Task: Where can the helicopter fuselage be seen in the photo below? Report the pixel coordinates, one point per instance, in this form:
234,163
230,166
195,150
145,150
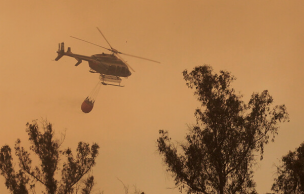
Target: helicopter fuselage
109,64
104,64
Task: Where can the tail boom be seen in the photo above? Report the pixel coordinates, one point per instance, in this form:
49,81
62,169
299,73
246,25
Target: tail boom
79,58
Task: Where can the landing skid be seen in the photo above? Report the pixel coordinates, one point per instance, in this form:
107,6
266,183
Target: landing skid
111,84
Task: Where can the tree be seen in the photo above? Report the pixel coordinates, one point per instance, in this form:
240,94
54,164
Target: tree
126,188
291,173
49,153
218,154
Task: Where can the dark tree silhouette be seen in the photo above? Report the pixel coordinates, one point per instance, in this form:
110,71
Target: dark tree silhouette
49,153
218,154
291,173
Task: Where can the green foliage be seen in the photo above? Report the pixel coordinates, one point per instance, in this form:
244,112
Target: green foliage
218,154
48,151
291,173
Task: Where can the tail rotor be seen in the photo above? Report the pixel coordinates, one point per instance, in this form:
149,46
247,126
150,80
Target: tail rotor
60,51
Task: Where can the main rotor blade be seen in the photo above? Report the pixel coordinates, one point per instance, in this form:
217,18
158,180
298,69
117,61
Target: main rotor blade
106,39
125,62
91,43
140,57
118,52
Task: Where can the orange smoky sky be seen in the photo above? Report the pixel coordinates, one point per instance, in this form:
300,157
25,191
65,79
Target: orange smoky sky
261,42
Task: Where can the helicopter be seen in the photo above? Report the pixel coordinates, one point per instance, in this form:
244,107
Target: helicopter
111,67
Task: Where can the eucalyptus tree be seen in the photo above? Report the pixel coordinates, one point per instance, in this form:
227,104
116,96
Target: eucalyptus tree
290,174
218,154
49,152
